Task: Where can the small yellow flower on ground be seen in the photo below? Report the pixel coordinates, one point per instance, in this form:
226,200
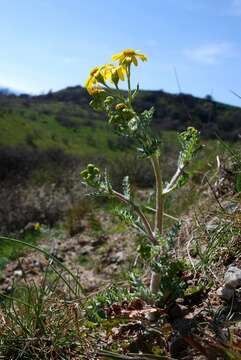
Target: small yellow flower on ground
128,56
37,227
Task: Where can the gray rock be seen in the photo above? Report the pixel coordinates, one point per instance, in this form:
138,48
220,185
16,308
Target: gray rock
212,224
119,257
225,293
18,273
232,277
116,258
231,207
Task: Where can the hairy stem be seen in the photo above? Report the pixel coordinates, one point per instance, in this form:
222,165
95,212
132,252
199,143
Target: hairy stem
159,195
128,73
155,277
139,212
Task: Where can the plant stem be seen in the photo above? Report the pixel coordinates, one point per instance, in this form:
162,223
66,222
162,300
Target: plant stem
114,93
148,208
138,210
155,277
128,72
159,195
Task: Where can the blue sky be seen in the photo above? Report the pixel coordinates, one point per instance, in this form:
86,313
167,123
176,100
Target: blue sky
51,44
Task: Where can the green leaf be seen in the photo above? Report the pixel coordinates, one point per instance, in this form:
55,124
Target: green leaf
194,290
145,250
183,179
238,183
189,141
126,187
146,116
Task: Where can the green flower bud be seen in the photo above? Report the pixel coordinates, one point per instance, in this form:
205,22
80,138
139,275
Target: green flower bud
121,107
90,168
84,173
109,100
96,171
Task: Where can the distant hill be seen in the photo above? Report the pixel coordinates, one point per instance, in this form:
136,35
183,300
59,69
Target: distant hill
6,91
172,112
46,140
64,120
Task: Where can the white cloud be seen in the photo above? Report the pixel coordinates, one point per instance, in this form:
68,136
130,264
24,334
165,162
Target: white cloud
210,53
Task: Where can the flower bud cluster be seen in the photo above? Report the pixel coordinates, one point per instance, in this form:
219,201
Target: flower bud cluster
91,175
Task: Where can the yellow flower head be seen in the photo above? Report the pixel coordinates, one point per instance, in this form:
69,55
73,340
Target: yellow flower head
95,90
128,56
37,227
113,73
94,77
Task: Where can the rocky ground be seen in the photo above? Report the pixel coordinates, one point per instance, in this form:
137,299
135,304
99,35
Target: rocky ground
94,257
204,324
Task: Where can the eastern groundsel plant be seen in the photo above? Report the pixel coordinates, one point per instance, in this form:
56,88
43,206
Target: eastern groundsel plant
103,85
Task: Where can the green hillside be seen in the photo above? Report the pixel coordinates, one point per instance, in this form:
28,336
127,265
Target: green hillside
48,139
64,119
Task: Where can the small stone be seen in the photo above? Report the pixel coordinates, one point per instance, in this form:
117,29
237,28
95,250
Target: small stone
7,289
212,224
225,293
119,257
231,208
232,277
18,273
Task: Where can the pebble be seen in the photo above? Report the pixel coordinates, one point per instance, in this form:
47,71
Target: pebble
225,293
119,257
18,273
232,277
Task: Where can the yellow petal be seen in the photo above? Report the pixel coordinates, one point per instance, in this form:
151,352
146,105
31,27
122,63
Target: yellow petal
121,73
88,82
89,89
116,57
142,57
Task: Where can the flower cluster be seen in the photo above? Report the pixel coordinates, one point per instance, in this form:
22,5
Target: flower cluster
114,102
100,75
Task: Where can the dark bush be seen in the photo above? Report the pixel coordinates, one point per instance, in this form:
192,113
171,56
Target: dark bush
65,121
17,162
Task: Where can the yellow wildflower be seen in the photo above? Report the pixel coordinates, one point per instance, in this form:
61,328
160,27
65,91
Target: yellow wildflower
95,90
128,56
101,74
113,73
96,76
121,71
37,226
